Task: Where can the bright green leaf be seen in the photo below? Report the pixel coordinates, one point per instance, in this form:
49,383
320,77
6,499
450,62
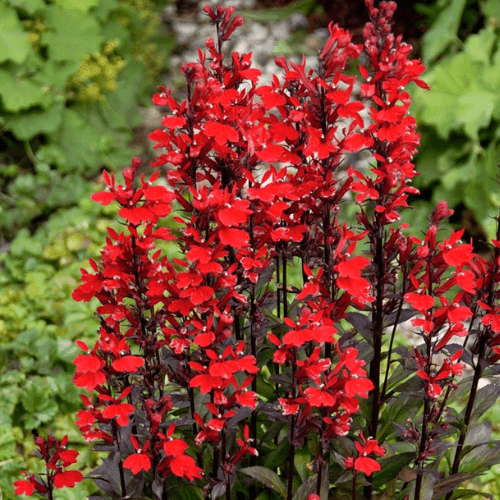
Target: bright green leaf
7,444
38,403
29,6
475,107
277,14
458,98
21,93
58,72
491,8
70,36
105,7
27,125
480,45
444,31
83,5
14,43
78,140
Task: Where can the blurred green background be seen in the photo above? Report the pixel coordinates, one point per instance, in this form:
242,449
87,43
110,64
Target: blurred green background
76,79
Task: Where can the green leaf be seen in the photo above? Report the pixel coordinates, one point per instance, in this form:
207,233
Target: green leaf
27,125
104,8
7,444
475,107
83,5
491,8
21,93
38,403
70,36
458,92
56,73
301,461
277,457
277,14
78,140
29,6
14,43
480,45
268,477
443,32
391,467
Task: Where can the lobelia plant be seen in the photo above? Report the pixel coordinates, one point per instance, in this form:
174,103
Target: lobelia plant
270,359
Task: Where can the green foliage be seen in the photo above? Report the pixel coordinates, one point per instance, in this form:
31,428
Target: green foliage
460,118
279,13
71,86
38,323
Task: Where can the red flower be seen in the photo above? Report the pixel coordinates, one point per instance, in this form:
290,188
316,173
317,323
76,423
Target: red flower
137,462
67,478
128,364
185,466
221,133
24,487
419,301
117,409
29,485
363,463
140,460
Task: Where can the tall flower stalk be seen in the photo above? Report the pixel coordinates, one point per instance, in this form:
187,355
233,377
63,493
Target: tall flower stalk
264,340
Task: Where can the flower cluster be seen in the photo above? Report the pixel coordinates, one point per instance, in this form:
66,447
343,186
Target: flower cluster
206,360
57,458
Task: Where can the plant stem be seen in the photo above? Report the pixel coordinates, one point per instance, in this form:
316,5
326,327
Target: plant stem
354,484
320,478
291,458
377,340
478,371
285,284
391,343
49,485
116,439
425,420
423,439
291,463
253,418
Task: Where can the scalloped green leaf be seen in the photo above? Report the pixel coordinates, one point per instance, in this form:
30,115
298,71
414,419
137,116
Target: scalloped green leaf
78,140
491,8
14,43
82,5
27,125
458,92
480,45
29,6
21,93
38,404
70,36
444,30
